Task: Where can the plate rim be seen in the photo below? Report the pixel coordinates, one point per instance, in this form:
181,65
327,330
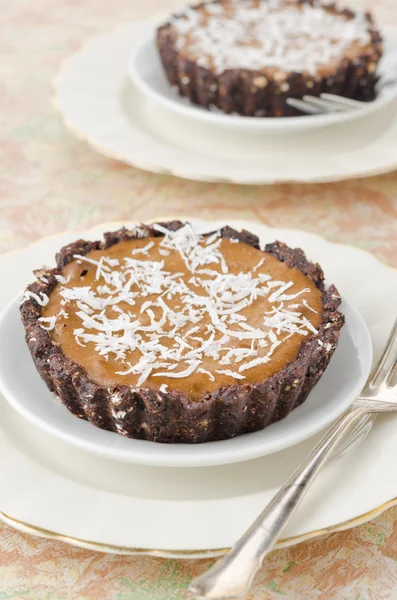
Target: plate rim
287,542
242,123
187,174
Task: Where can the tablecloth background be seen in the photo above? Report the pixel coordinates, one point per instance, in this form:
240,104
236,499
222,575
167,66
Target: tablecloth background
51,182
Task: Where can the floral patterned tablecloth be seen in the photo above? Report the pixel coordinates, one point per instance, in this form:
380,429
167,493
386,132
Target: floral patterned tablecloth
51,182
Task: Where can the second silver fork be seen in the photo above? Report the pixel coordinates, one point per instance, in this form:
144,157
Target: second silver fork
232,576
332,103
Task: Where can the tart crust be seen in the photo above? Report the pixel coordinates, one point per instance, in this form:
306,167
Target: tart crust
172,416
249,93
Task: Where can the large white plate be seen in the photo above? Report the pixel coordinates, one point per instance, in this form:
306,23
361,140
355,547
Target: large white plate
100,106
147,74
338,387
53,489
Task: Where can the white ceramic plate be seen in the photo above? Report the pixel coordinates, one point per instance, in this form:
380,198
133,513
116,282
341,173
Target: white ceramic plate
53,489
338,387
101,106
147,74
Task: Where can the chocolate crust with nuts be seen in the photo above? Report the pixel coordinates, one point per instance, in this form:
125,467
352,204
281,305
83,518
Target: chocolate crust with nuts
262,93
171,416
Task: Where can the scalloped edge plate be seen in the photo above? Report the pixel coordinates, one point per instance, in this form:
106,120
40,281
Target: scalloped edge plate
101,106
56,491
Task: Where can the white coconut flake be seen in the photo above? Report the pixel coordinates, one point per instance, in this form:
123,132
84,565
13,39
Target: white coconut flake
61,279
212,238
276,295
230,373
98,263
41,298
144,250
139,232
49,322
254,363
188,371
260,263
205,372
112,262
305,303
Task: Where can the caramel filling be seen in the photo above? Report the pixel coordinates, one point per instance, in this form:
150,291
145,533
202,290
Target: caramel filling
181,313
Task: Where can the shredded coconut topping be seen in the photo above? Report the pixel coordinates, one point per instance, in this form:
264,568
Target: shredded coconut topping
251,34
41,298
49,322
174,310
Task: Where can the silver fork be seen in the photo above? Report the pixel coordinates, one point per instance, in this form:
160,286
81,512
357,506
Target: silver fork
232,576
331,103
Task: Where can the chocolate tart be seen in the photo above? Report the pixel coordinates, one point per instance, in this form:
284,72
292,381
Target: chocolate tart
280,342
247,57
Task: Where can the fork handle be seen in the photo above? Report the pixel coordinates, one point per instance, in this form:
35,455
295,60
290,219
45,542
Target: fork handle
232,576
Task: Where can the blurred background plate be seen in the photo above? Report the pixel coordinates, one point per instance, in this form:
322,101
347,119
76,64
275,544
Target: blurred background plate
101,106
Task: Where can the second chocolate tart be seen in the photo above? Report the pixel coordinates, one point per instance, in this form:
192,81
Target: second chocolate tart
248,56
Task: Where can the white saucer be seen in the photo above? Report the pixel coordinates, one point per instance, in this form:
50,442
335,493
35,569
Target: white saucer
102,107
55,490
338,387
147,74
